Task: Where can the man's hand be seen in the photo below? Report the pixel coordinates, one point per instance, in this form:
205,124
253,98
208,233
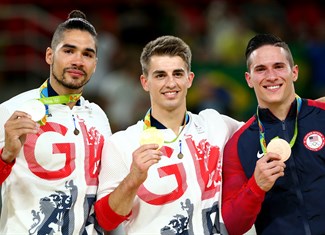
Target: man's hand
143,158
268,169
16,128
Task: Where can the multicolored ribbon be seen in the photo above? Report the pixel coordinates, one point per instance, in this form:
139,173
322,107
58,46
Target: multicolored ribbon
262,129
147,124
60,99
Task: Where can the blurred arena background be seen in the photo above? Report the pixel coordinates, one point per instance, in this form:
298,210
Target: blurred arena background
216,30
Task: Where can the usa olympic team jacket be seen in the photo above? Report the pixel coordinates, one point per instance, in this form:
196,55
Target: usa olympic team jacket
296,202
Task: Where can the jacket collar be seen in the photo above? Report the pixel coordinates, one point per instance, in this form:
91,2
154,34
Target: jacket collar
52,92
266,115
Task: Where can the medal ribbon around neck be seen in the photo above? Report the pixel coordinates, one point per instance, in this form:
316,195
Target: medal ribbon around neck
262,129
60,99
147,124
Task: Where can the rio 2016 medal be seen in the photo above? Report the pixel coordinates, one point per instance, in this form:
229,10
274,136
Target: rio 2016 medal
35,108
152,135
281,147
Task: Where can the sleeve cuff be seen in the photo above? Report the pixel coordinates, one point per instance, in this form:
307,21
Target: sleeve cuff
255,188
107,218
5,168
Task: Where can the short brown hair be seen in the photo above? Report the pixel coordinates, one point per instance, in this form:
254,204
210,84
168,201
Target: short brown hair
165,45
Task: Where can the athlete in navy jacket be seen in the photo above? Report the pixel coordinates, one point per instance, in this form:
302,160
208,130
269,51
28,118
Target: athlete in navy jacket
258,187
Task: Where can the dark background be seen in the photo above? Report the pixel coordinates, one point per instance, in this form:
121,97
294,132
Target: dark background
217,31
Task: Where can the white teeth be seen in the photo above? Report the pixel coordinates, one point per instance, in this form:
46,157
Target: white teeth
273,87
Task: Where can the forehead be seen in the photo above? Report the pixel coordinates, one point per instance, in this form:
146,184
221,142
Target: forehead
78,38
166,63
269,54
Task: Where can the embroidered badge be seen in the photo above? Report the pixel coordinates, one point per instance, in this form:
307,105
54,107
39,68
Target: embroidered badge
314,141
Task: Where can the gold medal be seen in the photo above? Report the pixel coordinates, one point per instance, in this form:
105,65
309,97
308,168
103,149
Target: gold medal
152,135
281,147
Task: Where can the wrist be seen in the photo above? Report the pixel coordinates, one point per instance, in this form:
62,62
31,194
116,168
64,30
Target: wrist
133,182
6,155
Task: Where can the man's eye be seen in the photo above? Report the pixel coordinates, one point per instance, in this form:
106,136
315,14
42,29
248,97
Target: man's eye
279,66
89,55
178,75
259,69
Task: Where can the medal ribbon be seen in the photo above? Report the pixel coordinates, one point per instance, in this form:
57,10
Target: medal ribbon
60,99
262,129
147,124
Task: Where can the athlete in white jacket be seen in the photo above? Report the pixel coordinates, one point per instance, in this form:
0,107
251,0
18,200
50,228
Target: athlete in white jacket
174,188
49,167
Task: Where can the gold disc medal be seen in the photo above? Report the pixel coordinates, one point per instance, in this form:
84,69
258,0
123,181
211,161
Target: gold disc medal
281,147
152,135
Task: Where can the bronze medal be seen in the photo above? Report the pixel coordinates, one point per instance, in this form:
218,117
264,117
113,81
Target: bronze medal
281,147
76,131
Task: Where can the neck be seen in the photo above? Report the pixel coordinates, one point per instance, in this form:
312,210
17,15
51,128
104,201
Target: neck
60,90
280,110
170,119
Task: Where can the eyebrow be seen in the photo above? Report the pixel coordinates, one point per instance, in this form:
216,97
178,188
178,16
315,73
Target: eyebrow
74,47
179,70
280,63
259,66
275,64
174,71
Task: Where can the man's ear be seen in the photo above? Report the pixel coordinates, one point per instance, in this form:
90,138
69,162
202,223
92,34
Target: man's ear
49,55
191,76
248,79
144,82
295,71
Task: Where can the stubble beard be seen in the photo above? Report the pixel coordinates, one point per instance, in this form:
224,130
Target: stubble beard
64,82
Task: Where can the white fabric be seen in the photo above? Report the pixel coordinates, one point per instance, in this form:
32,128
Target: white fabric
53,183
186,194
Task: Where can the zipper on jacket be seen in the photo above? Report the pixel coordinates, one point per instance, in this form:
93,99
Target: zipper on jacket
285,132
295,179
